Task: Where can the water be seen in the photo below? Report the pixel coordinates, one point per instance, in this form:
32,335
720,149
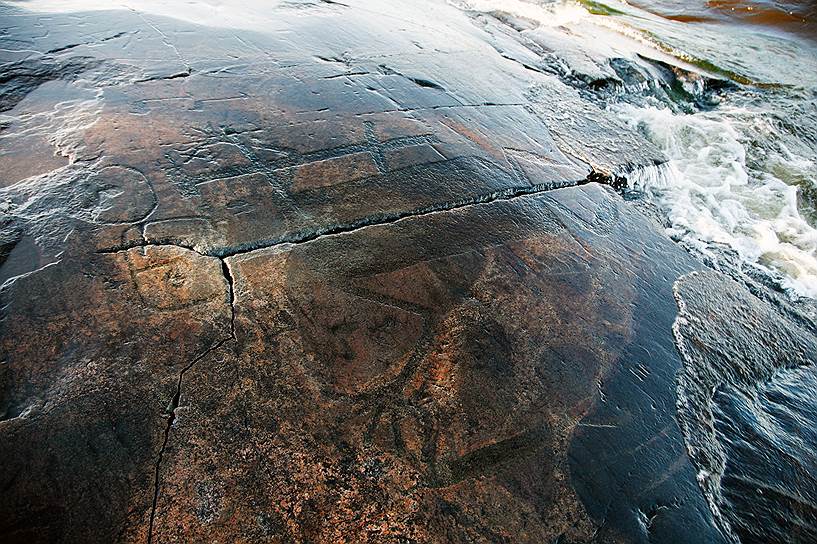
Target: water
734,109
795,17
741,192
734,183
742,174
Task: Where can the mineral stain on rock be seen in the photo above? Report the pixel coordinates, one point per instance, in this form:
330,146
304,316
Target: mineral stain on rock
284,291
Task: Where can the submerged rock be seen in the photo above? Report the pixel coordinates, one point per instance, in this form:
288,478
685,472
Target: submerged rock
294,285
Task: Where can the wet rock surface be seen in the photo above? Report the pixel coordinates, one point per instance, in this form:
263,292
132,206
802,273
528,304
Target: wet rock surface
299,286
737,416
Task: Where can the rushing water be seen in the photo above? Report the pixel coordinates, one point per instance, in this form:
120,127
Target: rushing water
739,190
735,183
743,173
737,119
741,180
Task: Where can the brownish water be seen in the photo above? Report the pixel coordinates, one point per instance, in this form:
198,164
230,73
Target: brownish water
787,16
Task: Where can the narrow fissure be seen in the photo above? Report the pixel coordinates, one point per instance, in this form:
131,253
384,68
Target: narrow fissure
228,275
301,237
223,254
174,402
171,418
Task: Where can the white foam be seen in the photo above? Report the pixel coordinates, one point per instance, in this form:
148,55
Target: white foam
711,196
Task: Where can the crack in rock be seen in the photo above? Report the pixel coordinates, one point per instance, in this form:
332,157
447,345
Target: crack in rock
171,418
306,236
175,400
93,42
228,275
179,75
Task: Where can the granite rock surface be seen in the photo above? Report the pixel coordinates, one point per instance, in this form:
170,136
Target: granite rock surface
356,276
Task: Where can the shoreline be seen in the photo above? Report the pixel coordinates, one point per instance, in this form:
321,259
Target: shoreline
266,282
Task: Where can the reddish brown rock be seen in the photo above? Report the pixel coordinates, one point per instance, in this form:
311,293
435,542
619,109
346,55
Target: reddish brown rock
328,172
295,287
